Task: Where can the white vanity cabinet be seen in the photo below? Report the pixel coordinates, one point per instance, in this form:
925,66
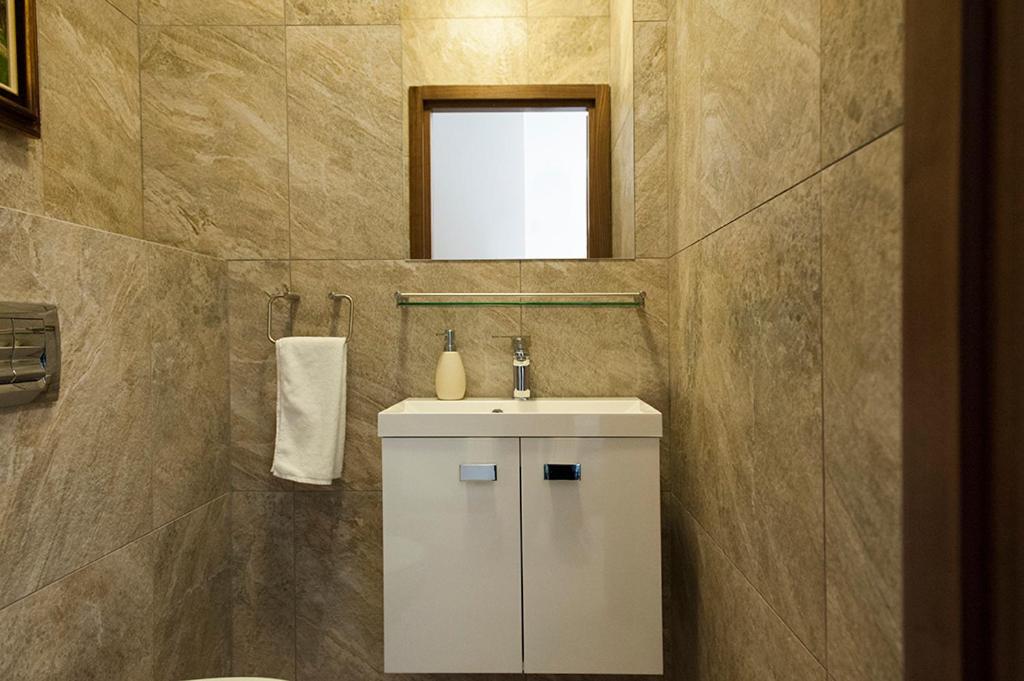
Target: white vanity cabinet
522,554
452,577
592,557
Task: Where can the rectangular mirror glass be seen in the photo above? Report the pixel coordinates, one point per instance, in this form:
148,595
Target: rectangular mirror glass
508,184
510,172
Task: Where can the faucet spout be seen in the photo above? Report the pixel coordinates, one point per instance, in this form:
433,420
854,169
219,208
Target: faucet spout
520,367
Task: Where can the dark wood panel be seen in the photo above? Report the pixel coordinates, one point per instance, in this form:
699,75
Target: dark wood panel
599,225
1008,336
515,93
419,177
21,112
963,321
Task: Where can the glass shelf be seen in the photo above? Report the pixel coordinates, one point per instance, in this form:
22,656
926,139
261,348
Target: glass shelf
523,303
630,299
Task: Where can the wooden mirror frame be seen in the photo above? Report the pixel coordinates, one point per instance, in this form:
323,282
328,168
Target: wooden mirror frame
595,98
21,111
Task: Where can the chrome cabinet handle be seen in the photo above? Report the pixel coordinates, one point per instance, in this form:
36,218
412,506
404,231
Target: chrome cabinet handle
478,472
563,471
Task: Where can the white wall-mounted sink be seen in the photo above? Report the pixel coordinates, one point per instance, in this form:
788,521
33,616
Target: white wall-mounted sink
545,417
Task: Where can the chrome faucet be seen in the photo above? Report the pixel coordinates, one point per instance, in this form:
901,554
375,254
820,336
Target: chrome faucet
520,367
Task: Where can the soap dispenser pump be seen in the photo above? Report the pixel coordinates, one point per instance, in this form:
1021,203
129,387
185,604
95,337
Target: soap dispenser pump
450,379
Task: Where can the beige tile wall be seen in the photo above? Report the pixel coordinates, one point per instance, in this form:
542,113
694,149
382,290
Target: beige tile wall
785,219
120,465
345,142
214,142
88,67
622,63
113,528
270,136
274,138
861,255
650,115
786,550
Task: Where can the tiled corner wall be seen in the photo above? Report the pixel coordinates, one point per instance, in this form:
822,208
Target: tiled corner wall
785,165
274,138
270,134
114,541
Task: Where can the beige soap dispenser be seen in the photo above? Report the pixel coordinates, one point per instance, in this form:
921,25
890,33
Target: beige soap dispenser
450,379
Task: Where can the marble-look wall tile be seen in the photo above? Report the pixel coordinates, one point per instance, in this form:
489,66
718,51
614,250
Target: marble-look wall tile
21,172
620,79
745,118
254,370
622,65
327,12
599,352
861,72
214,132
432,9
89,91
263,568
651,133
393,352
130,8
77,482
567,8
339,567
93,624
192,595
650,10
759,118
202,12
861,232
345,121
751,438
190,357
623,193
685,46
568,50
464,51
593,352
684,341
724,629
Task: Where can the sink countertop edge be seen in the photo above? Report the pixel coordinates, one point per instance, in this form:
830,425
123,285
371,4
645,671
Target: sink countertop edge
396,421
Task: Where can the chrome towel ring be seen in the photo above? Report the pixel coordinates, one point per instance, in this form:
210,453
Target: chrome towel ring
286,294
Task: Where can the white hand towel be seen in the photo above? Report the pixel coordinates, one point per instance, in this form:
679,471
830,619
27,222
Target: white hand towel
311,390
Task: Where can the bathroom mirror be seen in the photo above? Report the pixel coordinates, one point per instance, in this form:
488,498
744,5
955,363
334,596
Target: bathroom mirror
510,172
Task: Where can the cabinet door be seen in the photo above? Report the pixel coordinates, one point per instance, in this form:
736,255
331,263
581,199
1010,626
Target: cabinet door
452,579
591,556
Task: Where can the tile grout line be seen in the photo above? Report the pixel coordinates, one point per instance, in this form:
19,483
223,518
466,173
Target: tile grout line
821,397
92,562
821,329
152,371
232,582
152,378
266,25
790,188
741,573
124,14
288,140
117,235
295,589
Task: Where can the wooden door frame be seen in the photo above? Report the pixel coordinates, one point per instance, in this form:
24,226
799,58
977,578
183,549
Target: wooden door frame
963,329
595,98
